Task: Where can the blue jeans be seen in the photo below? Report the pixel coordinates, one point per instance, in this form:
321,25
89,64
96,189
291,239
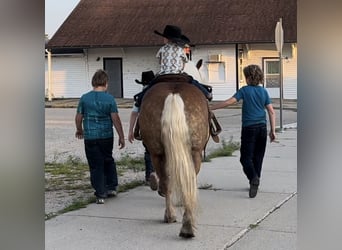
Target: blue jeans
253,146
201,87
148,164
103,175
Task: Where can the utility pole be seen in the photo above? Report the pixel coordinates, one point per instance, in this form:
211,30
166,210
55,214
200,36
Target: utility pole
279,41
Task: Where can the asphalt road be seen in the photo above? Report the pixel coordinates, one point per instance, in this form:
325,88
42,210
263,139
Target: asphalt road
60,142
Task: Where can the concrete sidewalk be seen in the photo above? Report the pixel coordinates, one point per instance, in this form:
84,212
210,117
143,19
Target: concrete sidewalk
227,218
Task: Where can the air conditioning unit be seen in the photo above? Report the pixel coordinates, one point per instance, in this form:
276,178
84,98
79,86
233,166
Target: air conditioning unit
215,58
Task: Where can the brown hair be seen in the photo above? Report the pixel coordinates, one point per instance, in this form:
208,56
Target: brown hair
100,78
253,74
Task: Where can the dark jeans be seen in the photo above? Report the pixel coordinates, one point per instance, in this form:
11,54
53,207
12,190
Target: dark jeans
148,164
253,145
103,175
199,85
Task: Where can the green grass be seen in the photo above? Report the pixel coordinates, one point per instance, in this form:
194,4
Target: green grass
252,226
127,162
226,149
73,175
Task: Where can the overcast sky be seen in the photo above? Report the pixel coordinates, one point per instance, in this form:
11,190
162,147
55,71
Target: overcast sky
56,11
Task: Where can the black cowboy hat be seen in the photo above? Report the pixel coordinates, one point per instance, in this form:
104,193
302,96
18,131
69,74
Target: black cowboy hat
146,77
174,34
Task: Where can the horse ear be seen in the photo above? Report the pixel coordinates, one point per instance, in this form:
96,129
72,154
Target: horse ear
199,64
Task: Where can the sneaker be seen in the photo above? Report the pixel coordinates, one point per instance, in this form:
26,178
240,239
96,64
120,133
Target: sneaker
154,181
161,193
111,193
100,200
209,96
253,188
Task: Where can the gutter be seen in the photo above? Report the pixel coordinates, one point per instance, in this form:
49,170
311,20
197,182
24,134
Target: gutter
49,75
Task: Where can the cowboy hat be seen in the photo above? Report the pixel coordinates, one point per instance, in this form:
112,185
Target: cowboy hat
146,77
174,34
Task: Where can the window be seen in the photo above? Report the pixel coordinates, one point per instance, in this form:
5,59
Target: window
271,72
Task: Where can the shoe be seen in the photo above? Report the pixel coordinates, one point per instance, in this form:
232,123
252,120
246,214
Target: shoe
111,193
253,188
154,181
209,96
100,200
147,182
137,137
161,193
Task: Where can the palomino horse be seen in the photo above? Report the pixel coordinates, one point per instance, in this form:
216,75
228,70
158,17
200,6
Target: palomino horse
174,126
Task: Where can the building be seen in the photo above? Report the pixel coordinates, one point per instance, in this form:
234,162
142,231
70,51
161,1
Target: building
117,35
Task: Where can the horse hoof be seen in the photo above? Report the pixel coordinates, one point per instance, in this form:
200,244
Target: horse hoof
186,235
154,181
170,220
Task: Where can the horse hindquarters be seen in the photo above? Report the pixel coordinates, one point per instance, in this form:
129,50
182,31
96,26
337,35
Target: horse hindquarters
179,162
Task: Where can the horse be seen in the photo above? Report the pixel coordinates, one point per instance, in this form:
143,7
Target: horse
174,126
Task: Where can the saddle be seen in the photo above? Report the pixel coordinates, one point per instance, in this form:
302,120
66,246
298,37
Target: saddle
173,78
182,77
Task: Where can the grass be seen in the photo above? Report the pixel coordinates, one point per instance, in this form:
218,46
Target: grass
127,162
73,175
226,149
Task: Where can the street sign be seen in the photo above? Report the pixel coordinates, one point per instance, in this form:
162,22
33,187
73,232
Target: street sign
279,36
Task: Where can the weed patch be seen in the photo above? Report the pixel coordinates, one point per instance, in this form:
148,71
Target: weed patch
226,149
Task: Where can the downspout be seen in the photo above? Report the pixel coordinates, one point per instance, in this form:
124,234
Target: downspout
49,75
237,65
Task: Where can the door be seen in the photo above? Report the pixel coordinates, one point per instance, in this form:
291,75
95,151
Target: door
272,76
113,67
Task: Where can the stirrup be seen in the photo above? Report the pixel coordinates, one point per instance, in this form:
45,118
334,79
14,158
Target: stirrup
215,127
136,133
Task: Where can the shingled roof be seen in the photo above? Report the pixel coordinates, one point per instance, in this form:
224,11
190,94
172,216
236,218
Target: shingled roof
130,23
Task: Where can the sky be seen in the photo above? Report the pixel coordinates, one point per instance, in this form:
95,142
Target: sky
56,11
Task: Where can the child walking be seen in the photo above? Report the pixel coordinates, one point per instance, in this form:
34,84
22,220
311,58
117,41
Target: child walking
254,130
146,78
98,112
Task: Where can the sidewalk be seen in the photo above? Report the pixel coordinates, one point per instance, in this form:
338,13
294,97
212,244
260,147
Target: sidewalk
227,218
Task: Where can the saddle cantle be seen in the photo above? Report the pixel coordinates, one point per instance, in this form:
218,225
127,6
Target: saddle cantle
173,78
182,77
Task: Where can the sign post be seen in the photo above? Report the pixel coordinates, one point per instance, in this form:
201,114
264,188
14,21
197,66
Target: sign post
279,41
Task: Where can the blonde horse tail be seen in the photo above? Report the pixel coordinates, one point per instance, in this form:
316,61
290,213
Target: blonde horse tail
177,146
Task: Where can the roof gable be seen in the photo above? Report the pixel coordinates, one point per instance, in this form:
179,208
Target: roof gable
124,23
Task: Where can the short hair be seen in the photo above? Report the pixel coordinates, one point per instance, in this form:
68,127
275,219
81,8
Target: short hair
253,74
100,78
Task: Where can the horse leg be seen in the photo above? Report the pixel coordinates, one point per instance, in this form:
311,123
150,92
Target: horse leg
197,158
170,213
163,190
188,228
163,176
188,223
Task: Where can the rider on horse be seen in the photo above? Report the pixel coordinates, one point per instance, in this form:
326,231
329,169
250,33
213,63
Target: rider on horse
172,59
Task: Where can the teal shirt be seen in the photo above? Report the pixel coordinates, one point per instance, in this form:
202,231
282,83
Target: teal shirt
96,108
255,99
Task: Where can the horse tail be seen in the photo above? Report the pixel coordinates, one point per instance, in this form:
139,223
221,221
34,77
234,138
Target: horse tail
177,145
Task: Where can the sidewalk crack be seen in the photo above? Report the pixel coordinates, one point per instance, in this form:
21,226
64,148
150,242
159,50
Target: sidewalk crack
244,231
